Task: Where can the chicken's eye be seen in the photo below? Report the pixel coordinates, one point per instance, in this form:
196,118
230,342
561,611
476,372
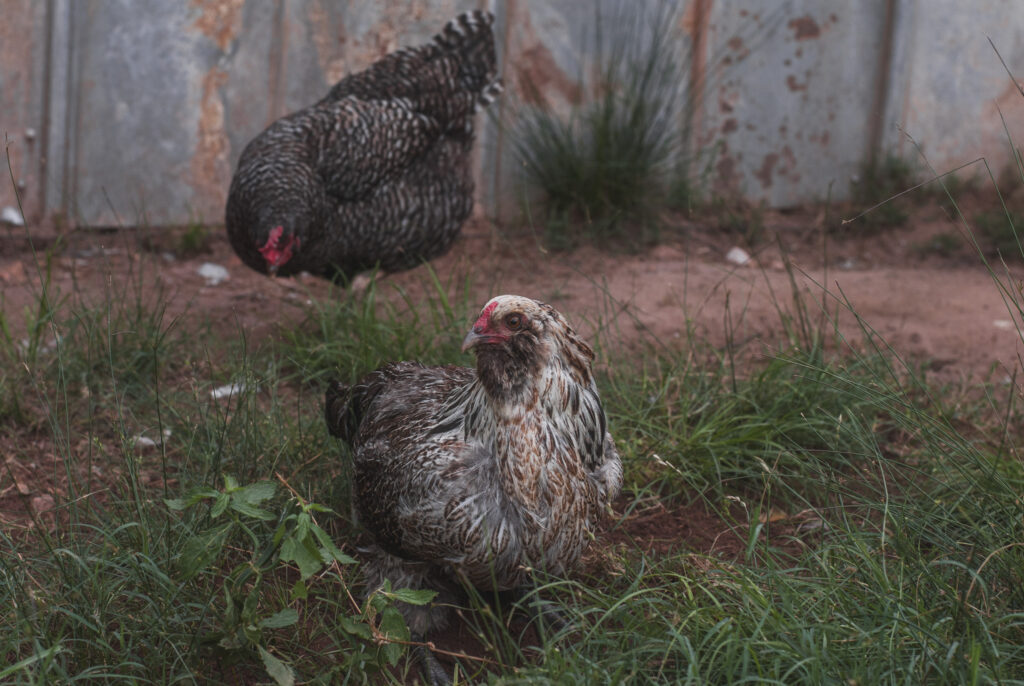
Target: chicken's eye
514,321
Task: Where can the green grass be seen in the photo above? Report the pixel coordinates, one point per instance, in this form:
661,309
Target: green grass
998,230
943,244
605,165
876,188
194,240
224,552
198,560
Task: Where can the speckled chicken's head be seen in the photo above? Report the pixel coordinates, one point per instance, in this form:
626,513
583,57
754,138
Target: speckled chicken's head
279,248
516,338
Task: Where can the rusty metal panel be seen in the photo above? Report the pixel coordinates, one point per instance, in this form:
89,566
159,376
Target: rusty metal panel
549,57
22,79
951,93
127,111
541,48
166,95
790,93
132,142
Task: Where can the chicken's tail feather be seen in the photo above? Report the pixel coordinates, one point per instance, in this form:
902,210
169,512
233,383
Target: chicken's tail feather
469,39
489,95
465,30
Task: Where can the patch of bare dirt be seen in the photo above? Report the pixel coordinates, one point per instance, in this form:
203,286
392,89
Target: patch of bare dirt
658,529
939,307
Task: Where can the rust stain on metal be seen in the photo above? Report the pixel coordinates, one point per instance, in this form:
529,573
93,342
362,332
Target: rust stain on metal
764,174
727,178
804,27
694,22
821,139
795,85
15,47
737,45
782,163
384,36
219,20
210,166
728,97
340,52
535,73
17,37
696,18
329,48
276,64
788,167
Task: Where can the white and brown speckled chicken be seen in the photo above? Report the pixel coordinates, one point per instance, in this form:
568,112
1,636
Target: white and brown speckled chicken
375,174
479,475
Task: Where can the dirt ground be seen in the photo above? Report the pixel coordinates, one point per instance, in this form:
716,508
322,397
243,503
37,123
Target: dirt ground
942,308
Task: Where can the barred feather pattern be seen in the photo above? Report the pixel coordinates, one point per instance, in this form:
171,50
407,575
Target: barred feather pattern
480,475
377,172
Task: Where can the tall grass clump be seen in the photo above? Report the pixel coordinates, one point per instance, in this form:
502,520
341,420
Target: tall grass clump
348,335
998,230
608,160
877,186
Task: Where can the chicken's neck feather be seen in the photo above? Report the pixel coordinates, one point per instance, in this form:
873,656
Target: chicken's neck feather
552,431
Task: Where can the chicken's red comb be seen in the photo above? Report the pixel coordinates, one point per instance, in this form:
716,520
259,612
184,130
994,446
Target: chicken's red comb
275,236
485,317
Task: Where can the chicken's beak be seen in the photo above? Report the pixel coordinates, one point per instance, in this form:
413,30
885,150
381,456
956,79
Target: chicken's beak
472,339
272,270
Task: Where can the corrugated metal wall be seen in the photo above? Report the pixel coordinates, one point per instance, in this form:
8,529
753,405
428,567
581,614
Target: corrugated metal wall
23,77
126,111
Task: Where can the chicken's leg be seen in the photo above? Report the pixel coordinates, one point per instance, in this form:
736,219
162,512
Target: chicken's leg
433,672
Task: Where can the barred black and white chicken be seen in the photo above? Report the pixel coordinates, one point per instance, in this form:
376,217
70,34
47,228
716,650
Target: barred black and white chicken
479,476
377,173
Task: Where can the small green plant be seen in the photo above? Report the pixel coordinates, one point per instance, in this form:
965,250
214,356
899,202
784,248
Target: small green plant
875,190
683,194
194,240
348,335
944,244
296,539
606,164
998,231
738,218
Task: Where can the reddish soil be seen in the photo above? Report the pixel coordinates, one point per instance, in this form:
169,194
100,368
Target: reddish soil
941,308
944,310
